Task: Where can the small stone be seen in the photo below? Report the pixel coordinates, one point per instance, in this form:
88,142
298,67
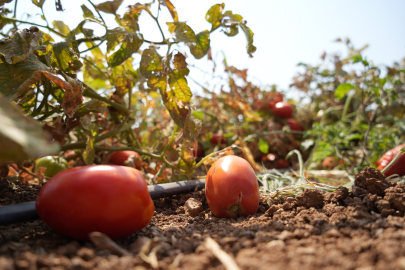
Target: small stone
277,244
193,207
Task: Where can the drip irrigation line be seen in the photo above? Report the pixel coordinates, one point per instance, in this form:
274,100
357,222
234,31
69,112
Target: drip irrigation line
26,211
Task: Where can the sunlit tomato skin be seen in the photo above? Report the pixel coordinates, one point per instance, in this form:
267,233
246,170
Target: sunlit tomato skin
113,200
218,138
283,109
231,188
52,164
119,157
398,167
329,163
294,125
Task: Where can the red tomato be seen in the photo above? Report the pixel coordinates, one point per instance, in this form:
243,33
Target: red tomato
329,163
231,188
113,200
282,164
218,138
294,125
200,151
398,167
119,158
275,98
283,109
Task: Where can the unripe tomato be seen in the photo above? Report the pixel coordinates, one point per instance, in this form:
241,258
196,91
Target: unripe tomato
119,157
329,163
283,109
52,164
294,125
231,188
113,200
218,138
398,167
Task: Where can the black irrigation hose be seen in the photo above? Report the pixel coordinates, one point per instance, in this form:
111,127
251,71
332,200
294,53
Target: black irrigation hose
26,211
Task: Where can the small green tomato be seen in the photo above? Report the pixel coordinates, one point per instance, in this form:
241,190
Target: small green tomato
52,164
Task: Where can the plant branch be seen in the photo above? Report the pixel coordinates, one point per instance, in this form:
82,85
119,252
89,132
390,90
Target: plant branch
43,26
89,92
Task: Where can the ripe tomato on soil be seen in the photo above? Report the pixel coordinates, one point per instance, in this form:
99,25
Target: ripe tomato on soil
283,109
218,138
113,200
294,125
329,163
52,164
282,164
231,188
119,157
398,167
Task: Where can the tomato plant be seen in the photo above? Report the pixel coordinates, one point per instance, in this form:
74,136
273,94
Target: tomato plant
283,109
52,164
231,188
113,200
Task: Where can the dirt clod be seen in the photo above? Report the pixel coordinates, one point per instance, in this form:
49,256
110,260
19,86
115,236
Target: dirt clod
310,198
193,207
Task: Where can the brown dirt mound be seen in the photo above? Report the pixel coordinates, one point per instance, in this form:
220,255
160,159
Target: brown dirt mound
313,231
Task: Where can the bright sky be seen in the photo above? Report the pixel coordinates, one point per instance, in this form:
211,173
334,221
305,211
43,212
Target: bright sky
286,32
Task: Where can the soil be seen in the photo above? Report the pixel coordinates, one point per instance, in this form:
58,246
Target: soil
359,230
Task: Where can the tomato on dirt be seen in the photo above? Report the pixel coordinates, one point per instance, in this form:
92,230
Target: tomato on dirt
218,138
329,163
231,188
52,164
282,164
283,109
398,167
294,125
113,200
119,157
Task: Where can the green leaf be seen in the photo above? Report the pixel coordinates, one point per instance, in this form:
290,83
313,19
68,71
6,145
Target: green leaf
232,22
356,58
178,84
202,46
38,3
61,27
66,57
151,63
342,90
198,114
183,32
110,6
93,73
249,39
20,46
123,77
192,128
87,13
264,146
15,79
130,45
214,15
21,137
180,64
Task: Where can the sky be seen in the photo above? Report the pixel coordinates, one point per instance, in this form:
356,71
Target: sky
285,33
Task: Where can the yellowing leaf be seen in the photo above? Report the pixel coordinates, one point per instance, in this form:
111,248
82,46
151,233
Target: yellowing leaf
20,46
109,6
249,39
214,15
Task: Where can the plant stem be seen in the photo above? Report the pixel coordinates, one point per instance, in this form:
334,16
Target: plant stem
89,92
394,159
170,141
43,26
